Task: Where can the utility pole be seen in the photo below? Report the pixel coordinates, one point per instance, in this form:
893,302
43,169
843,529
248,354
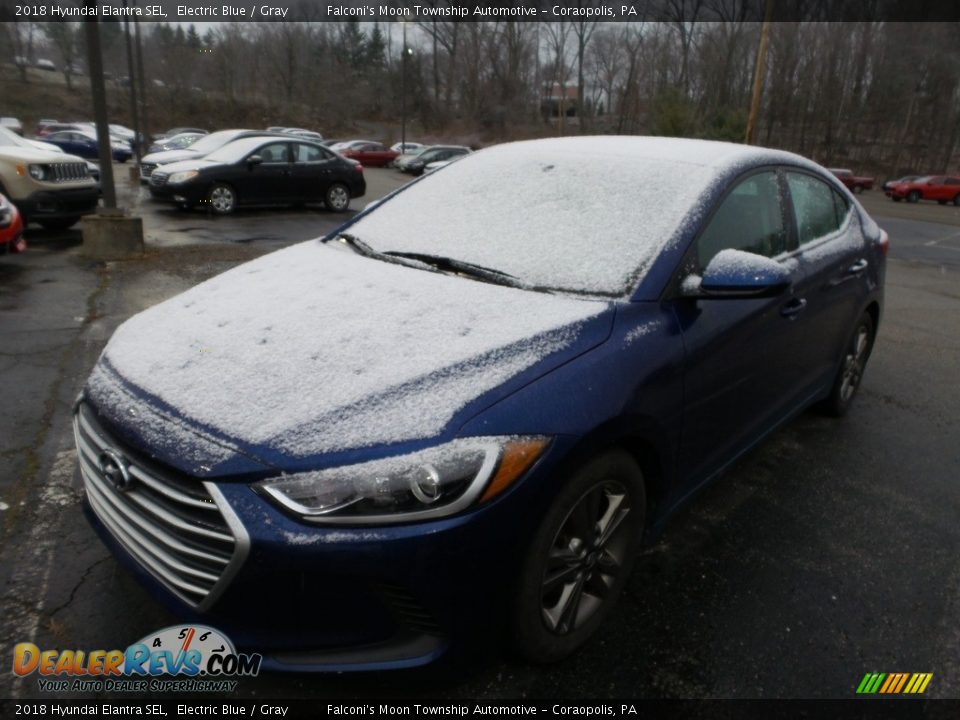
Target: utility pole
144,116
134,114
97,90
403,90
758,74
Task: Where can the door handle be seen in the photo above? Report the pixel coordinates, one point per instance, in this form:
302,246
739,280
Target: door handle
793,308
858,267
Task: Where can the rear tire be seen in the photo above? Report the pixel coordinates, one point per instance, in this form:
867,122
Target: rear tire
913,196
853,364
857,189
580,558
956,200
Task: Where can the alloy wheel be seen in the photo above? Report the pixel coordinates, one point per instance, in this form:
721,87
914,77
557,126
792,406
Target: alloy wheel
854,363
222,199
585,558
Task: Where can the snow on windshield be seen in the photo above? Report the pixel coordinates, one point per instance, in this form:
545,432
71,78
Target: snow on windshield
576,214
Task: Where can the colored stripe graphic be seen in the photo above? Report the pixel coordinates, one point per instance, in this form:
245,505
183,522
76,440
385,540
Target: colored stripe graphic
894,683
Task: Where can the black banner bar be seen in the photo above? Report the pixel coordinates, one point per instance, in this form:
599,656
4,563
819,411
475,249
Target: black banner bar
897,709
518,11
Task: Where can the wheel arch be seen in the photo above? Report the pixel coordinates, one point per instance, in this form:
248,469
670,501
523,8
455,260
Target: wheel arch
644,441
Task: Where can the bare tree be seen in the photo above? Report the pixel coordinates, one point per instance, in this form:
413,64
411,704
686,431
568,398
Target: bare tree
21,36
65,36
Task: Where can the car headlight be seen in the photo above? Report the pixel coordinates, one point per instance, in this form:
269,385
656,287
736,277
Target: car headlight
181,177
432,483
37,172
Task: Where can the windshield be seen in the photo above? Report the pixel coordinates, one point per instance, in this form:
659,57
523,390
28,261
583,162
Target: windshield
214,141
8,137
582,216
236,150
182,141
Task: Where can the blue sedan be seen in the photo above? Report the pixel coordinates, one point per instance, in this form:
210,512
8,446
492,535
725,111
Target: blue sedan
84,143
461,415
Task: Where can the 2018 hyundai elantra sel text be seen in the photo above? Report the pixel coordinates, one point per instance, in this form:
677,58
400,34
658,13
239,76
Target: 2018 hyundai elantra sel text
464,411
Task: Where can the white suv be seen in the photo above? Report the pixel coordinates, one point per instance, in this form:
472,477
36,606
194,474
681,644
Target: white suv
49,188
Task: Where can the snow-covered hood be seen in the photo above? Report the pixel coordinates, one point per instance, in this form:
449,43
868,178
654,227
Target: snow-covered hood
315,350
169,156
36,155
197,163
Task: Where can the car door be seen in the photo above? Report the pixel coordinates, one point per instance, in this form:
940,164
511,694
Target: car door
312,171
740,376
951,186
933,189
270,180
82,145
833,255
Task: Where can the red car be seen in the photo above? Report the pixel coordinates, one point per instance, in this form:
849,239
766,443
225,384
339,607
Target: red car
855,183
371,154
11,228
942,188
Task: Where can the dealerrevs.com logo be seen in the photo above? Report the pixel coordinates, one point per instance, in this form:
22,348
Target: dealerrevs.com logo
201,658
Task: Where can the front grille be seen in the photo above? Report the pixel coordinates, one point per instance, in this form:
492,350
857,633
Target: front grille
158,179
146,169
180,530
68,172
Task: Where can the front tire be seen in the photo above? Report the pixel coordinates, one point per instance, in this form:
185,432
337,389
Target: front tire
222,199
580,558
857,189
337,198
913,196
853,364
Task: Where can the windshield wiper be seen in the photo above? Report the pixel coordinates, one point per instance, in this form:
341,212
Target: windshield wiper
358,245
438,262
460,266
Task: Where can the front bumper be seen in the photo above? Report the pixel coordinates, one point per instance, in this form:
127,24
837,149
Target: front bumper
54,204
314,598
185,194
11,237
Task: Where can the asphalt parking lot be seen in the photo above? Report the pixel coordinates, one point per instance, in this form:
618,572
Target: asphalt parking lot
829,552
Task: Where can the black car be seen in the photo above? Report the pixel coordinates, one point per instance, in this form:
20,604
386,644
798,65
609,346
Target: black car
436,153
261,171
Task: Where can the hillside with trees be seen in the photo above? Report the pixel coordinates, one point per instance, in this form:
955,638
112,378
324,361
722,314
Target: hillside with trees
877,96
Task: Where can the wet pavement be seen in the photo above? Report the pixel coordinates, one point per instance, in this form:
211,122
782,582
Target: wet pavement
830,551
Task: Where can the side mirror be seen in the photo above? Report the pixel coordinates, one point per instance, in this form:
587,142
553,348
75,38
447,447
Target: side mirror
253,160
736,274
